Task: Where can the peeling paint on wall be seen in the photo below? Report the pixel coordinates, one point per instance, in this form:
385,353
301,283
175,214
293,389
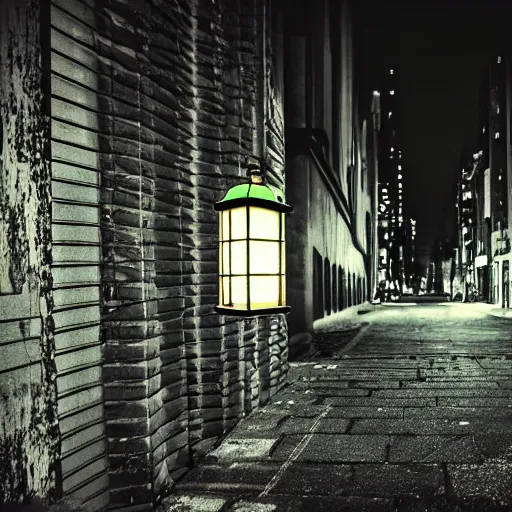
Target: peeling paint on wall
28,426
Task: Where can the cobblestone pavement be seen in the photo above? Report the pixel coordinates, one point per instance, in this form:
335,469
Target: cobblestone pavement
415,416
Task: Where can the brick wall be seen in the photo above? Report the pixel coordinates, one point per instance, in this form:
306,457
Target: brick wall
181,84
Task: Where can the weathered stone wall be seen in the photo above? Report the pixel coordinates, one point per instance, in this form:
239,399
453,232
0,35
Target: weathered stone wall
178,89
29,436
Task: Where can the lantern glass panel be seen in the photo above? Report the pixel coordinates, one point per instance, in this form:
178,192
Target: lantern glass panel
239,291
238,257
264,291
283,223
225,268
238,223
225,296
283,258
264,223
263,257
224,225
283,290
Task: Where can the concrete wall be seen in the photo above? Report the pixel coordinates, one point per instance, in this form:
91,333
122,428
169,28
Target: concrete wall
325,139
29,433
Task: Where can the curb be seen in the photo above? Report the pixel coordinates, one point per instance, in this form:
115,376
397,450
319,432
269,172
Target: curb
505,313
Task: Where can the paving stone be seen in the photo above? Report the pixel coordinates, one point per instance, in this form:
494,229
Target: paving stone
313,504
287,425
342,392
285,447
397,480
365,412
457,412
237,478
317,479
495,446
188,503
452,384
345,448
442,392
332,426
297,410
375,384
382,402
475,402
429,426
433,448
241,450
491,481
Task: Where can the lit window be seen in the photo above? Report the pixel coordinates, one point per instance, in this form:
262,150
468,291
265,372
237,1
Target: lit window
389,115
392,93
499,177
483,129
499,60
399,167
390,71
497,110
497,135
399,176
399,185
392,149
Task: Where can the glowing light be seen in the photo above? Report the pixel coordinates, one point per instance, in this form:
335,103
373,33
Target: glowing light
499,60
497,135
251,251
390,71
399,176
392,92
399,167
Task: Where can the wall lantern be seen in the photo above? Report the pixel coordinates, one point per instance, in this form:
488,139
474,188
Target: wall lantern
252,248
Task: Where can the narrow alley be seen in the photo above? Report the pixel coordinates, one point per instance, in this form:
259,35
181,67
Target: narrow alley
255,256
415,415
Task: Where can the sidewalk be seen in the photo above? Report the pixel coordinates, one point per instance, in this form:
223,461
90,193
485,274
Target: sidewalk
304,346
365,435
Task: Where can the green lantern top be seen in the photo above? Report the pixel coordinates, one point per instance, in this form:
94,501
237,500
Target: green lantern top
249,190
252,194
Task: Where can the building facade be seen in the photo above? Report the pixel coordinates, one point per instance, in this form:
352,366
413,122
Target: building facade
484,206
330,164
121,127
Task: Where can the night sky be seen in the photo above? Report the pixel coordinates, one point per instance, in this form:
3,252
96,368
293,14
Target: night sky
439,51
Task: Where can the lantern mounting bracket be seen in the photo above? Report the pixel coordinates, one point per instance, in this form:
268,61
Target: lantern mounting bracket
257,166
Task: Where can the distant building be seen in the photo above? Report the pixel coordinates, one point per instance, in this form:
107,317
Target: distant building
410,253
391,215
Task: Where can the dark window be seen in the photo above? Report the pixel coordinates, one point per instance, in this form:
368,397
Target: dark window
349,289
318,292
327,286
341,289
334,279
